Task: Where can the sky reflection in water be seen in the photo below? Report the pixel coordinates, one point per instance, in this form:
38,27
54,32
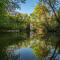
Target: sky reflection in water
23,54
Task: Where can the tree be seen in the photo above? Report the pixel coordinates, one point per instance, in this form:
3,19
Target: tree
7,6
10,5
51,22
52,5
40,10
40,13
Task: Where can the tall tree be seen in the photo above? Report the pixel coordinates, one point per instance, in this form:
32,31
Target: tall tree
52,5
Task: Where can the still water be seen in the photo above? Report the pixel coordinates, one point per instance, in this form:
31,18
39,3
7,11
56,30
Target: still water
22,54
7,39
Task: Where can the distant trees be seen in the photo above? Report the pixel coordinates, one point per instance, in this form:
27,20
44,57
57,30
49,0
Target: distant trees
17,22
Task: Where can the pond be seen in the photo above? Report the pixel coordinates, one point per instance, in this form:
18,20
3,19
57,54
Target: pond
12,38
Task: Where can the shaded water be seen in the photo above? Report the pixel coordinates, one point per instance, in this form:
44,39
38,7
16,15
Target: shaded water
10,38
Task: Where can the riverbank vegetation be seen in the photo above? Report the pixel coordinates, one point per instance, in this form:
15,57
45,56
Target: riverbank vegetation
40,30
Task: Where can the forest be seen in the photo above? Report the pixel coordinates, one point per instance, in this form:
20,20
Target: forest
39,30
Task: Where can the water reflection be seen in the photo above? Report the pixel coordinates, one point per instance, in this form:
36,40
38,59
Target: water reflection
22,54
10,38
56,55
7,39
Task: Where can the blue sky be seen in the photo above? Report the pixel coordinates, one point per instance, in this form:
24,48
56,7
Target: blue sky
28,7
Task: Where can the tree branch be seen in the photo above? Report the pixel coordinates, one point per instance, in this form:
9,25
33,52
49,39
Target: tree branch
54,12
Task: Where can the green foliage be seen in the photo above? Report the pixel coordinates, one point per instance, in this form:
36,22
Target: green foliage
40,10
42,20
50,23
14,22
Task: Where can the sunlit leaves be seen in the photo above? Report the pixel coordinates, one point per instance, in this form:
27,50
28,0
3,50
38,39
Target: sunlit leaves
40,11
